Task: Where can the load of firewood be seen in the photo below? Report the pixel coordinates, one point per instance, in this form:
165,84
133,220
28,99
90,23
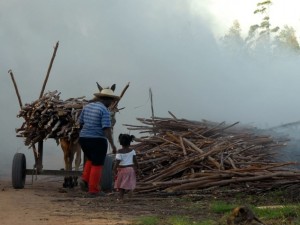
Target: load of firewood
50,117
180,155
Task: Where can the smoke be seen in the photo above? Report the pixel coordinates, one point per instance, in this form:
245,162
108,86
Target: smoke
161,45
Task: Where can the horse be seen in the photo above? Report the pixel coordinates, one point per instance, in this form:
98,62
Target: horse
71,149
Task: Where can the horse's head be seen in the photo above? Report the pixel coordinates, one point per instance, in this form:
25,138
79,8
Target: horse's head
113,87
106,95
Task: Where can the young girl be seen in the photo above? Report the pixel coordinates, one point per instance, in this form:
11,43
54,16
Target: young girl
126,166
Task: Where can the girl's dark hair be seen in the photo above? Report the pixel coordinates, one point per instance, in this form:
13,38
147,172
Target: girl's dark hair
125,139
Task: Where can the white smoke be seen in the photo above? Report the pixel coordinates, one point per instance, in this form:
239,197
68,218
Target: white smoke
160,45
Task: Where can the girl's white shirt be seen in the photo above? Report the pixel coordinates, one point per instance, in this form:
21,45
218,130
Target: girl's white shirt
126,158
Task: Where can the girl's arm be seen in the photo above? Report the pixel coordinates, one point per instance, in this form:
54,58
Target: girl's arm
116,164
136,164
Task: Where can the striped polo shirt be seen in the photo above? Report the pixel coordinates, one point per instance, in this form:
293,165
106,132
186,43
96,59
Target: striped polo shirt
93,118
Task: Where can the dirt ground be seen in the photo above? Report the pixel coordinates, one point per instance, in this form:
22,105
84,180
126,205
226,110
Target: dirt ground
44,202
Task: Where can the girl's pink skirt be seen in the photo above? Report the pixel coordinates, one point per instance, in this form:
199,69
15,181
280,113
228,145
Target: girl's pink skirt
126,178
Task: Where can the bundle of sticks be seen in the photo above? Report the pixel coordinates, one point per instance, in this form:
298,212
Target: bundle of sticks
183,155
50,117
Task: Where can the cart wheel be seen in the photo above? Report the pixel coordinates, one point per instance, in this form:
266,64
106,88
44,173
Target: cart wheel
107,174
19,171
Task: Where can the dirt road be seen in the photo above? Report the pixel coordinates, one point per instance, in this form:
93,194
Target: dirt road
45,202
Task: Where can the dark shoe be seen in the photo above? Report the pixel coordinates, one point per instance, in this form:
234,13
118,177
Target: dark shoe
95,195
84,186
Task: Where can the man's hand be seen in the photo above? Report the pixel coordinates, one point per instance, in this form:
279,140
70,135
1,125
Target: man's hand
114,149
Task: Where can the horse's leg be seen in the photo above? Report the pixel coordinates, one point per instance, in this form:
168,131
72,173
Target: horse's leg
70,160
66,147
77,152
66,178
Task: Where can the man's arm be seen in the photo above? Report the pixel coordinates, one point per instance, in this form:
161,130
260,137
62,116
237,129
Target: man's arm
108,135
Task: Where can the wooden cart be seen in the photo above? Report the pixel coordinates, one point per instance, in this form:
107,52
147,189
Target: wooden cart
19,170
19,167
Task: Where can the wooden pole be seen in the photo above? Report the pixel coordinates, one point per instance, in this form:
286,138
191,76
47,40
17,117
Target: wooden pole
115,104
16,88
39,160
152,111
49,69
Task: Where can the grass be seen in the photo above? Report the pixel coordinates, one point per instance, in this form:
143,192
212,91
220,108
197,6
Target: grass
216,211
172,220
148,220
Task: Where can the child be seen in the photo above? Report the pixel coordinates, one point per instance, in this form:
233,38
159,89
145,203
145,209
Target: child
126,166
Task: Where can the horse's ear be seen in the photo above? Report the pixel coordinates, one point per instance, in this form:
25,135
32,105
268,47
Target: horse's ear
99,87
113,87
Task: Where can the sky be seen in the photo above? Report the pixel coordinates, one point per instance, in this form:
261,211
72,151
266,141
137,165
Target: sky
170,46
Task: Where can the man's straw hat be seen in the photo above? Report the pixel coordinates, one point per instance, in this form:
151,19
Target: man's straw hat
108,93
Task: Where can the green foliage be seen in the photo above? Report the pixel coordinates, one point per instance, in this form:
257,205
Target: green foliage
233,40
262,10
261,36
287,39
264,3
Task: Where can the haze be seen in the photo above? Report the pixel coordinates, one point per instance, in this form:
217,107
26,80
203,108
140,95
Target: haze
162,45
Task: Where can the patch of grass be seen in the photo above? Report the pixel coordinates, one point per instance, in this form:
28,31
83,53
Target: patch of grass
208,222
173,220
288,214
288,211
148,220
215,212
180,220
221,207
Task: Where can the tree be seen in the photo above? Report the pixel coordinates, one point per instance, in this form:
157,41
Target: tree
287,39
260,35
233,40
262,38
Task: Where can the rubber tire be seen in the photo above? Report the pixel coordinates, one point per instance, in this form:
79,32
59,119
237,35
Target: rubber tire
107,174
19,171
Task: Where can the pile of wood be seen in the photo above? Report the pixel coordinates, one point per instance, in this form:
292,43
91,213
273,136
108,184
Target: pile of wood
50,117
181,155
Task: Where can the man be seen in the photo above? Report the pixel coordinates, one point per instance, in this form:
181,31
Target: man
94,136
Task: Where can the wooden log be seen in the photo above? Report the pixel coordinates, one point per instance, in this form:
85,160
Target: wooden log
49,69
201,184
202,152
16,88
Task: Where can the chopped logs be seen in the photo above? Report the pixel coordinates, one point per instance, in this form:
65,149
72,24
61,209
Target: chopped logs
50,117
189,155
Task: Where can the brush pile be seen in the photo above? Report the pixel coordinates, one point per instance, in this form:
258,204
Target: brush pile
50,117
182,155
